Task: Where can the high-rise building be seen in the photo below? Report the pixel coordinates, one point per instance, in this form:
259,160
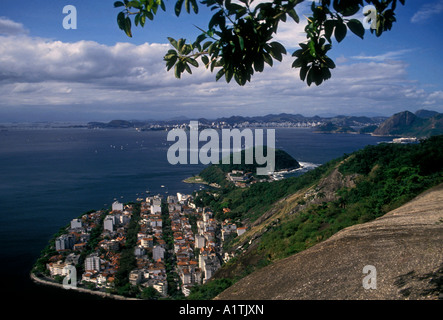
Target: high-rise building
108,223
76,223
92,262
64,242
117,206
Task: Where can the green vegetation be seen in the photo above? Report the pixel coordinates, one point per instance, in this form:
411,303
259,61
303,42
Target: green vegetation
216,173
171,276
386,176
389,176
408,124
240,36
250,203
49,251
127,258
209,290
333,128
282,161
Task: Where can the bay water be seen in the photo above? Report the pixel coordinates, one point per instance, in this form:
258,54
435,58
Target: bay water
49,176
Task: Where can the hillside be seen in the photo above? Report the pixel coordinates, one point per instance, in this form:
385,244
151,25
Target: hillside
404,246
405,123
216,173
329,127
288,217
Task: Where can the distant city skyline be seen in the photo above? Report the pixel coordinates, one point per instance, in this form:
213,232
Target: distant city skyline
97,73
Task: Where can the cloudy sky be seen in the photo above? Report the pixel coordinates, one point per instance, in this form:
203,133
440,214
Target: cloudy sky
97,73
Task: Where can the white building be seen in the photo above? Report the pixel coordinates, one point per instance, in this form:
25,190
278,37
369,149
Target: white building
76,223
108,223
241,230
117,206
92,262
161,287
158,253
199,241
156,207
57,268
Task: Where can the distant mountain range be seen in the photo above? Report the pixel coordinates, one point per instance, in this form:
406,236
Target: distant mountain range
272,119
423,123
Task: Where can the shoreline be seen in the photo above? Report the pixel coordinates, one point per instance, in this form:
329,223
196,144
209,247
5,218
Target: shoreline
41,281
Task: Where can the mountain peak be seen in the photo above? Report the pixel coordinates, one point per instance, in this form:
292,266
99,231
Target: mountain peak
408,124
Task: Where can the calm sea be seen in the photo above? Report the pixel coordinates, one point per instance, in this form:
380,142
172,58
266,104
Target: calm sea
50,176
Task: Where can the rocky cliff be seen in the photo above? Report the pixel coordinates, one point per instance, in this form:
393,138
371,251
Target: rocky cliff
405,246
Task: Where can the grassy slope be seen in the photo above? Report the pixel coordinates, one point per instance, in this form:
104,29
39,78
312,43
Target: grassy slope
306,210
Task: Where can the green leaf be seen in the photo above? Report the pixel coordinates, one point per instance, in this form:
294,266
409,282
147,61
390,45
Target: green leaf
298,53
277,49
205,60
297,63
303,72
312,50
171,62
149,15
121,20
134,4
329,28
178,7
179,68
241,42
180,44
194,6
259,63
268,59
187,68
340,31
220,74
356,27
326,74
142,20
294,15
228,75
173,42
137,19
329,62
128,27
192,61
206,45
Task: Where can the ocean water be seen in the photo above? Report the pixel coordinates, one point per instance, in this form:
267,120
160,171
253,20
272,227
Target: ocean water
50,176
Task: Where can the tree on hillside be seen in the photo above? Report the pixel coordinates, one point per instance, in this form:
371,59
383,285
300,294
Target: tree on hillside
239,38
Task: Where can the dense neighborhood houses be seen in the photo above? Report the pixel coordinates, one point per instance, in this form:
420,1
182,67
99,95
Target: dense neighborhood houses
169,230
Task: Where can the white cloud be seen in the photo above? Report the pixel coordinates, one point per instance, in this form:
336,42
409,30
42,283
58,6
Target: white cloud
391,55
9,27
130,81
427,11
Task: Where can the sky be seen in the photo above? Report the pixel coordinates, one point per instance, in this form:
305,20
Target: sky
97,73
